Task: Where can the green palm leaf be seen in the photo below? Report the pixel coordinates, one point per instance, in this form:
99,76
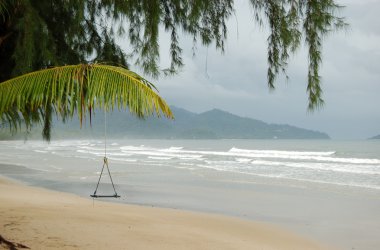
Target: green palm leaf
76,89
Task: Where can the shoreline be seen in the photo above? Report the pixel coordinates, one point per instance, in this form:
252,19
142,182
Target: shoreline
41,218
323,215
343,217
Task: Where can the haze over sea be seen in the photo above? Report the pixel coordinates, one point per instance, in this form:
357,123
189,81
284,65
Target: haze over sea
301,184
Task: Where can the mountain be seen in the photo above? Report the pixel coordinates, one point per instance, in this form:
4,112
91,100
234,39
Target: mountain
213,124
229,126
375,137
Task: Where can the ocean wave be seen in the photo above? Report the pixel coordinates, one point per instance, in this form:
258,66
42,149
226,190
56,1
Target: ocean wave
319,156
159,158
82,151
98,148
344,168
122,159
299,155
173,153
134,148
243,160
324,156
282,152
174,149
40,151
340,167
288,176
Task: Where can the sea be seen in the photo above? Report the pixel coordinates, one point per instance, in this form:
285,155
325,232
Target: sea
343,163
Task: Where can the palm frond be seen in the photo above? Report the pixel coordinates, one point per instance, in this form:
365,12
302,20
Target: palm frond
77,89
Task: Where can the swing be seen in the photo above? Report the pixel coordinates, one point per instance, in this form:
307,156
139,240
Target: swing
105,164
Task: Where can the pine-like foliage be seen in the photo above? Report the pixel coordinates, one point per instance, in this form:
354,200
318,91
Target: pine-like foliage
76,89
36,34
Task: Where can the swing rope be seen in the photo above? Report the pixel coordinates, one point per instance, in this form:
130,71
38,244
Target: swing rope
105,133
105,163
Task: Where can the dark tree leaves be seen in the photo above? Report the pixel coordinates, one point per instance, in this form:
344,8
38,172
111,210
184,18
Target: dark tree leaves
37,34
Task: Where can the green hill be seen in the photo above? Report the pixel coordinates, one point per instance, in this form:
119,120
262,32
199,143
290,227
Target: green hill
213,124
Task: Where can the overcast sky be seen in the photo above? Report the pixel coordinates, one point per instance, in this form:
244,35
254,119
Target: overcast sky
236,81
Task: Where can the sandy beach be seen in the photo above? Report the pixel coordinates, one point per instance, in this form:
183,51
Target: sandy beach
42,219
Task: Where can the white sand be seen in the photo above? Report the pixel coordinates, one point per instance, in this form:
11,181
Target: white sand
44,219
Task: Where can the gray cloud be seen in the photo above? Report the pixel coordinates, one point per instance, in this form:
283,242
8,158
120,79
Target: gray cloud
236,81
